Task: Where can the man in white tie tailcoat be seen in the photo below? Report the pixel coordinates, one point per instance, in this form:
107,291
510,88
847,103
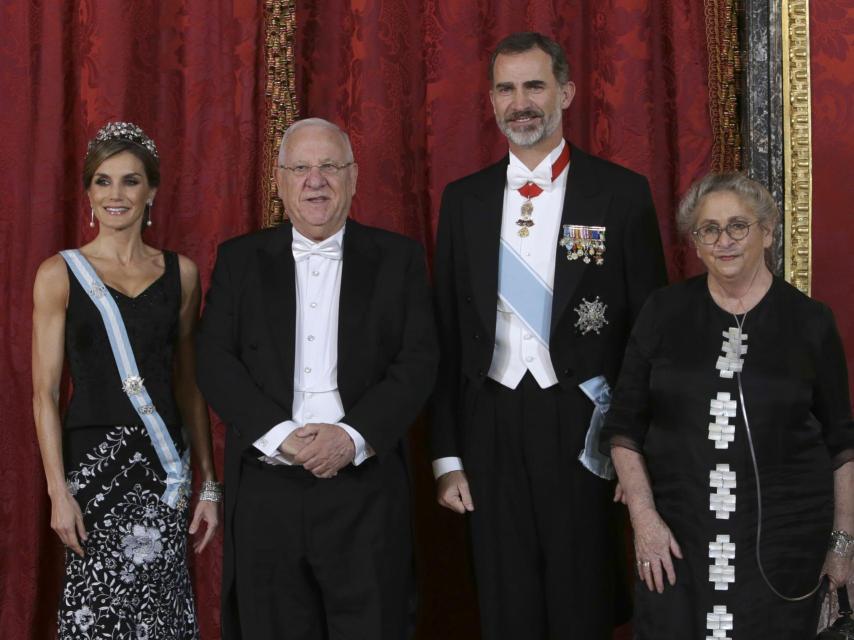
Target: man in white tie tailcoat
542,263
317,349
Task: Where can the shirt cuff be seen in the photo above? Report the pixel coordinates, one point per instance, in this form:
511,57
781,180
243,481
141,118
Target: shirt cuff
441,466
363,450
268,444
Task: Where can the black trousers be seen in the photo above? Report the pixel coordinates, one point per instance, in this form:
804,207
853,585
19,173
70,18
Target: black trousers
323,559
542,532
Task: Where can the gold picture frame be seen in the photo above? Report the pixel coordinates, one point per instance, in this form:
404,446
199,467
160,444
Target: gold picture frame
797,145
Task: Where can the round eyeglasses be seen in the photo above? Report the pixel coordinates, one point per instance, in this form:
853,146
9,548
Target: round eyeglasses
326,168
711,233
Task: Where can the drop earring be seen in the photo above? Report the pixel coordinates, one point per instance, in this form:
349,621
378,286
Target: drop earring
92,217
150,206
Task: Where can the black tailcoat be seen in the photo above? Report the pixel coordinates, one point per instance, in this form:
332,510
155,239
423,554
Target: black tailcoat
245,349
598,193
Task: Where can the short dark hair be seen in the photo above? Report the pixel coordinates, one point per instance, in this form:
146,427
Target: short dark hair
109,148
527,40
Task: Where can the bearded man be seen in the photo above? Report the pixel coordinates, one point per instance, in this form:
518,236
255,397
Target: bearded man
543,261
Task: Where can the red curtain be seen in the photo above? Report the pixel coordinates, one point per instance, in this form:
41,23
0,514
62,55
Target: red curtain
408,80
190,73
832,66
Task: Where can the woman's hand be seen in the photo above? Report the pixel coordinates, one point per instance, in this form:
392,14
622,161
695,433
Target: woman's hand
837,568
620,495
654,542
66,520
207,512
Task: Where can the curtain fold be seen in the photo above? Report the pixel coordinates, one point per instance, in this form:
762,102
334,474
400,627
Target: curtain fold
724,83
282,103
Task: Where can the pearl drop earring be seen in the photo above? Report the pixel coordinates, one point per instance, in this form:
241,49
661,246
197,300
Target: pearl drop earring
92,217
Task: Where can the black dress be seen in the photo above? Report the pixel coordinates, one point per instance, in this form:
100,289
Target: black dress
133,583
677,401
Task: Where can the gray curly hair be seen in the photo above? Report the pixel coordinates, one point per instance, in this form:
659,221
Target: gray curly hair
751,193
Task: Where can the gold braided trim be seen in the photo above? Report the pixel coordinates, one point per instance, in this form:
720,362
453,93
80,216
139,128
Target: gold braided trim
797,145
280,92
724,71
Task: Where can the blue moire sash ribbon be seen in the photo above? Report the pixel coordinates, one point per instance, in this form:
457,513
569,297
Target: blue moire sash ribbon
525,292
591,457
177,468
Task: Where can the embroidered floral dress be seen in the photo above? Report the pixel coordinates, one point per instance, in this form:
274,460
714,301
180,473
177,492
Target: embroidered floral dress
677,402
133,583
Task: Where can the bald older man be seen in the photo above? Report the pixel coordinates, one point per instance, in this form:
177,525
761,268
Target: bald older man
317,349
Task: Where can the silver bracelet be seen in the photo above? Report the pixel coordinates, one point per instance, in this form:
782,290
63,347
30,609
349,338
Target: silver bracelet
211,491
841,543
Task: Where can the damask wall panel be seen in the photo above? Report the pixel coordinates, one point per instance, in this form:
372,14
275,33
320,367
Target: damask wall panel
832,51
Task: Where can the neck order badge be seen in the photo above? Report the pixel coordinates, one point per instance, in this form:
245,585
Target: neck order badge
531,190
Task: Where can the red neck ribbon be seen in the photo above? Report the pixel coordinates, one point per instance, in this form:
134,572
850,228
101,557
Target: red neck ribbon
531,190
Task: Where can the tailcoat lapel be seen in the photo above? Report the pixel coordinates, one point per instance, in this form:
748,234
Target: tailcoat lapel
482,232
583,204
279,289
359,269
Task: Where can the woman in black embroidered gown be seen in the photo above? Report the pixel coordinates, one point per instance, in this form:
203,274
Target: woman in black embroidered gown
678,426
126,571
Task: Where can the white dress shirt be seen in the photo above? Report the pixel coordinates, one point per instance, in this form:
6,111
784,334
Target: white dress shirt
516,350
317,267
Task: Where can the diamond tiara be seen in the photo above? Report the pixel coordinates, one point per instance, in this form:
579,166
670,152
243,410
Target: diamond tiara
123,131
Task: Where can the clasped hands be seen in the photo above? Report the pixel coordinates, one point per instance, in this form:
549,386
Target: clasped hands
321,448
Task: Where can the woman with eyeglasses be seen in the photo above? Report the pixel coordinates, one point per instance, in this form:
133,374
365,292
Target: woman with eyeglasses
731,433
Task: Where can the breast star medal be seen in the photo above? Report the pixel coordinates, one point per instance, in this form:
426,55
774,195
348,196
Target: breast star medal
591,316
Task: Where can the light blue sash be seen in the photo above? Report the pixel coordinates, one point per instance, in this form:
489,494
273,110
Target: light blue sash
591,457
177,468
525,292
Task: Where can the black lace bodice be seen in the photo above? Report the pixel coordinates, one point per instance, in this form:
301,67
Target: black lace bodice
151,319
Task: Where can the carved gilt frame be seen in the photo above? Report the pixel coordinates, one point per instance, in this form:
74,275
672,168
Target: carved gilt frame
797,144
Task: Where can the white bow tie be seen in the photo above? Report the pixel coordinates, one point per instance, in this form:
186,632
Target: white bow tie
327,249
520,176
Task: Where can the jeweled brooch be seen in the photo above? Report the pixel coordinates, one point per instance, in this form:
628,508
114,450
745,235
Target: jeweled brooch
132,385
586,243
147,410
98,290
591,316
